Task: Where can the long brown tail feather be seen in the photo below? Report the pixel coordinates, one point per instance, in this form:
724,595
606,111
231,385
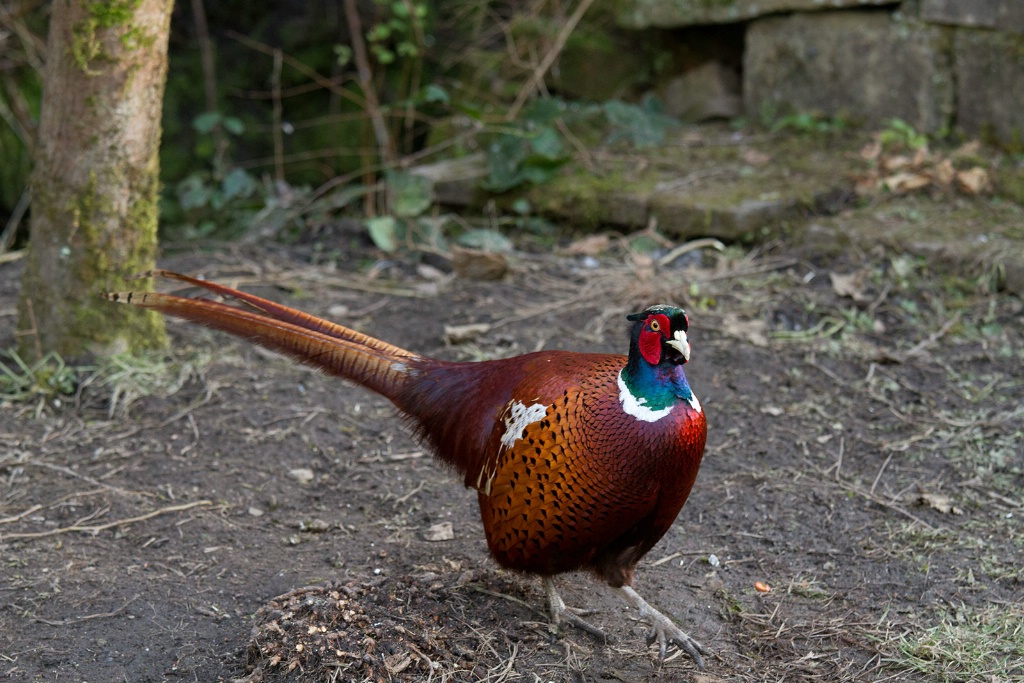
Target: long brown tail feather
372,365
286,314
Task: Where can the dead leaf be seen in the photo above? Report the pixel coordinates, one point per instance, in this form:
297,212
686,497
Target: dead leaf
479,265
865,184
756,158
871,151
944,172
753,331
851,285
968,149
903,183
591,245
937,501
973,181
460,334
921,157
894,163
440,532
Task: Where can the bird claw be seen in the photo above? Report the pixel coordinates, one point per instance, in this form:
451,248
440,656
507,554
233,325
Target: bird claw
667,632
573,616
664,631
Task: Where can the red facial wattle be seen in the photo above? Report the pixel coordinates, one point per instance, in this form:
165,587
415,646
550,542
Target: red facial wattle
656,328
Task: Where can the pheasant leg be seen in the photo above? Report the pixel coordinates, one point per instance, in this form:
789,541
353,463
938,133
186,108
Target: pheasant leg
663,630
560,612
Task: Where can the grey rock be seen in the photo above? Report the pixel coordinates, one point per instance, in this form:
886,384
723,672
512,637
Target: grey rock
990,83
1003,15
638,14
709,91
867,66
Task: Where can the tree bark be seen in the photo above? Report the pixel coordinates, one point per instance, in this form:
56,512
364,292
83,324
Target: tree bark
96,181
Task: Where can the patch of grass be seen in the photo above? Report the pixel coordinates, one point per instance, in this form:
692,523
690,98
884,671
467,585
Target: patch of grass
130,377
47,378
811,589
125,377
970,645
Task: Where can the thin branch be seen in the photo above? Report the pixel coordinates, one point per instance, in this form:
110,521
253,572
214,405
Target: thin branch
302,68
109,525
365,74
87,617
538,74
278,132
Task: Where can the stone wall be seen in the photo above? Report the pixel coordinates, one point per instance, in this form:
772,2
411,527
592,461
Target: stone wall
940,65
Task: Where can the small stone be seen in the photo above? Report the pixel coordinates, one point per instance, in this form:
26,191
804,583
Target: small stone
303,475
440,532
474,264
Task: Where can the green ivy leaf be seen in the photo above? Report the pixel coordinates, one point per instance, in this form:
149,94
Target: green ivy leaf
642,125
206,122
434,93
239,183
384,232
547,144
485,240
233,125
193,193
410,194
343,53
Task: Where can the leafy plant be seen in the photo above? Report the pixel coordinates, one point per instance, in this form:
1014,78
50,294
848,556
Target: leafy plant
217,200
399,35
808,122
643,125
526,154
410,197
900,134
48,377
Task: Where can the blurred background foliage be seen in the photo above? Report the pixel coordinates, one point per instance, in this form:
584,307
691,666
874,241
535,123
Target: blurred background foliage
280,115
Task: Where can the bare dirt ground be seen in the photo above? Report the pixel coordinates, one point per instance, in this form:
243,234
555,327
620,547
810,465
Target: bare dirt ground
220,513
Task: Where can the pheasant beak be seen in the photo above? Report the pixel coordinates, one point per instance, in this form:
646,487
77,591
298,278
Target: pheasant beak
680,343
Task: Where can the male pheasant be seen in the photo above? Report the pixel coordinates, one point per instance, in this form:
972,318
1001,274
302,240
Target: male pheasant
580,461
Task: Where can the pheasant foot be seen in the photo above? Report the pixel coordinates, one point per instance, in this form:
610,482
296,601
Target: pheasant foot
663,629
570,615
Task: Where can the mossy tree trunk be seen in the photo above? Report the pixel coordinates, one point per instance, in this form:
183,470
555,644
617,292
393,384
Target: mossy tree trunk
95,185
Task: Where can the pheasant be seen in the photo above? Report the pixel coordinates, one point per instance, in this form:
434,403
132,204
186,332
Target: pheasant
580,461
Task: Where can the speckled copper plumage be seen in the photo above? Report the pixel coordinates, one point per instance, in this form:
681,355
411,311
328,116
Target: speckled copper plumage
568,475
588,486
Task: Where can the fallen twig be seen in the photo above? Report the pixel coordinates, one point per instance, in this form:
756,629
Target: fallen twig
101,527
15,518
87,617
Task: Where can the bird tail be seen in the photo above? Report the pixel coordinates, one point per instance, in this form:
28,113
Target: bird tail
314,341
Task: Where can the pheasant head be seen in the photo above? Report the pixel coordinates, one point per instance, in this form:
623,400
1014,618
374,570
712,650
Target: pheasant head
653,380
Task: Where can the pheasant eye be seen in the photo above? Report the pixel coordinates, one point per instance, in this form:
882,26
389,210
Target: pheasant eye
655,326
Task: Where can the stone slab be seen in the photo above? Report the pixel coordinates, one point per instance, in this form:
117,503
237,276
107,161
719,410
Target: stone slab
867,66
639,14
990,84
1002,15
709,91
684,217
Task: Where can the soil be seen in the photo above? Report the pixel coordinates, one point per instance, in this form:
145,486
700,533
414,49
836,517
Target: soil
221,514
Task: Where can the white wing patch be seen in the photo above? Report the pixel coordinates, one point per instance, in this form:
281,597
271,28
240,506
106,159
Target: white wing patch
634,405
520,416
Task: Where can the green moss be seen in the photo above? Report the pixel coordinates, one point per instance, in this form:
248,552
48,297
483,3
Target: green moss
86,46
95,259
1010,184
111,256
